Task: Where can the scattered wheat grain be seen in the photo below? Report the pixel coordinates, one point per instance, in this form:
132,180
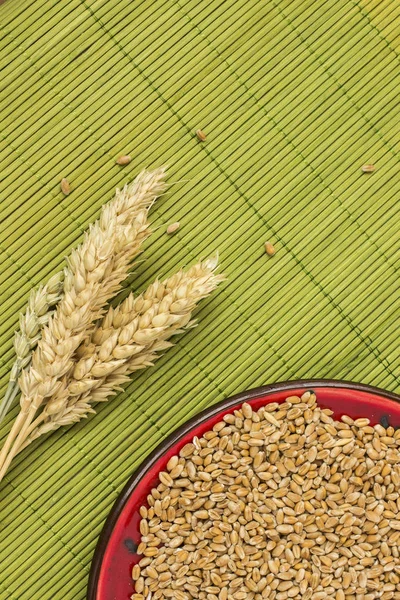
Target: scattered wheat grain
201,135
269,249
65,186
123,160
173,227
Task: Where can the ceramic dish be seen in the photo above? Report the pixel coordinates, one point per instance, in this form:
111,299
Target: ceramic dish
115,555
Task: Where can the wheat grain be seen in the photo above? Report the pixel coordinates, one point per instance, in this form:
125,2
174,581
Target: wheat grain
129,338
269,249
173,227
368,168
123,160
65,186
93,274
201,135
237,528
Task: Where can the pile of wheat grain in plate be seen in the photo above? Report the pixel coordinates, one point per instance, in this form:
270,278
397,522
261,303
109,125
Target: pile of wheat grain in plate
283,502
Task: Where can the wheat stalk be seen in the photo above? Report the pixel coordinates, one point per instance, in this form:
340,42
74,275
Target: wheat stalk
93,274
41,300
127,339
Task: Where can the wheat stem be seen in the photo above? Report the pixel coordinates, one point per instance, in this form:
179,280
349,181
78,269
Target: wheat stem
11,436
25,422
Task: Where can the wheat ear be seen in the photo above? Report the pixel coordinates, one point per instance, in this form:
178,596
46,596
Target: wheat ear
37,314
129,338
93,274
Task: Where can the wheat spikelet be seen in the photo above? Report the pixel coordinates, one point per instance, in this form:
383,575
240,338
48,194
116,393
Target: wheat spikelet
37,315
128,338
93,274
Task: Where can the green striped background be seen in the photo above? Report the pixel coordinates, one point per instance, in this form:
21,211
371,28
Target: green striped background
295,96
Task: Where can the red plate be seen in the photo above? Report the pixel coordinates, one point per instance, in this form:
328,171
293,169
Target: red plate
115,555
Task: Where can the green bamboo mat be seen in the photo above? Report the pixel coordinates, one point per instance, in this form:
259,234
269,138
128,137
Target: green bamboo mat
294,96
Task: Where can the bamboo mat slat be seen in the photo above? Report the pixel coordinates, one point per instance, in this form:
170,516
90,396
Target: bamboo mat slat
295,96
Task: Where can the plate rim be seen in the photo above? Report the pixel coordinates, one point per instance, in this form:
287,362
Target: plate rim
177,433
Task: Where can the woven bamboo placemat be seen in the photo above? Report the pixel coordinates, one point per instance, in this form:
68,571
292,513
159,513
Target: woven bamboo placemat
294,96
